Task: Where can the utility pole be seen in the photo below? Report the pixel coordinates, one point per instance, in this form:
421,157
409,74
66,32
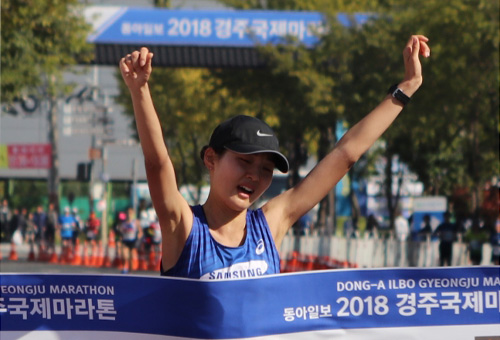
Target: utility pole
53,179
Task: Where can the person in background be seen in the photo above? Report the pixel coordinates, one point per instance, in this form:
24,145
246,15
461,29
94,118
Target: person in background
426,231
476,236
40,221
152,240
51,227
31,232
66,226
402,230
79,225
495,242
131,234
5,216
91,230
447,233
372,226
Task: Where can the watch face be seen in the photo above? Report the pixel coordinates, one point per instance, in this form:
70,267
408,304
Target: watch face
399,95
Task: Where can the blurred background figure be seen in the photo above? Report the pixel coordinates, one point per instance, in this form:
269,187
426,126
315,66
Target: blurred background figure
495,243
475,237
66,227
5,216
447,233
131,234
372,226
92,225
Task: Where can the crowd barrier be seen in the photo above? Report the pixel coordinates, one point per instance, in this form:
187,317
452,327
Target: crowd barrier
460,303
375,252
298,253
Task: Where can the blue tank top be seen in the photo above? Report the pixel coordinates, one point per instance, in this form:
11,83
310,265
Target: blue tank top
204,258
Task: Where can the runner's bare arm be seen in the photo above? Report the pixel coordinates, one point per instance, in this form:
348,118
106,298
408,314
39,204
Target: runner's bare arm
173,211
283,210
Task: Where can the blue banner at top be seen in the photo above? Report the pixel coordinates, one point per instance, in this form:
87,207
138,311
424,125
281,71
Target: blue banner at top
236,28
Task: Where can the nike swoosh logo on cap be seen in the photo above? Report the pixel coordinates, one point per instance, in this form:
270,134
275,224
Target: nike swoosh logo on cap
261,134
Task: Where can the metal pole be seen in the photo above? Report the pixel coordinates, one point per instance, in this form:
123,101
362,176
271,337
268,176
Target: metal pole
104,222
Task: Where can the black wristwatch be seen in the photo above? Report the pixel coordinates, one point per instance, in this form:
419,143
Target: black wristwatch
397,93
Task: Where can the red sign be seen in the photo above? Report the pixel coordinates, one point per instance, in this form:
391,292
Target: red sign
29,156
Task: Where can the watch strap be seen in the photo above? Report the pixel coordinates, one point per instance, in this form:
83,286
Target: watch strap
397,93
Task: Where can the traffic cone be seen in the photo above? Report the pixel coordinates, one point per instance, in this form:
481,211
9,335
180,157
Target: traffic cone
106,262
111,239
143,264
85,259
111,246
152,263
135,259
118,261
13,253
63,257
42,254
291,263
99,259
309,265
93,255
31,256
53,258
77,259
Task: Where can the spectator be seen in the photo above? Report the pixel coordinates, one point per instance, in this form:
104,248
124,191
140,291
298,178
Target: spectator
446,232
5,216
14,222
31,232
79,225
372,226
351,227
402,229
131,233
476,236
495,243
67,224
50,227
92,226
152,239
426,231
40,221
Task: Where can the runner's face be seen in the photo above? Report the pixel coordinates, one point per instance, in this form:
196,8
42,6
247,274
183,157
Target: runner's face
242,178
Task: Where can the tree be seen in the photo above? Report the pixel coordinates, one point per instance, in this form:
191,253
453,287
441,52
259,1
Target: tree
40,41
448,134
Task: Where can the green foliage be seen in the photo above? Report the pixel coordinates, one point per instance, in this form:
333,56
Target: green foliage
39,40
448,134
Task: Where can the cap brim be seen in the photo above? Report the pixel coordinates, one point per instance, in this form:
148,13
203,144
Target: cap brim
280,160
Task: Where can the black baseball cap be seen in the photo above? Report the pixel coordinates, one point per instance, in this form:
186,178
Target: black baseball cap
248,135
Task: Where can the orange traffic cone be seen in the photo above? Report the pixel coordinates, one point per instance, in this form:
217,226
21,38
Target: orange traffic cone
99,259
13,253
309,262
53,258
106,261
93,255
135,259
152,260
42,254
77,259
31,256
111,239
143,264
85,257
